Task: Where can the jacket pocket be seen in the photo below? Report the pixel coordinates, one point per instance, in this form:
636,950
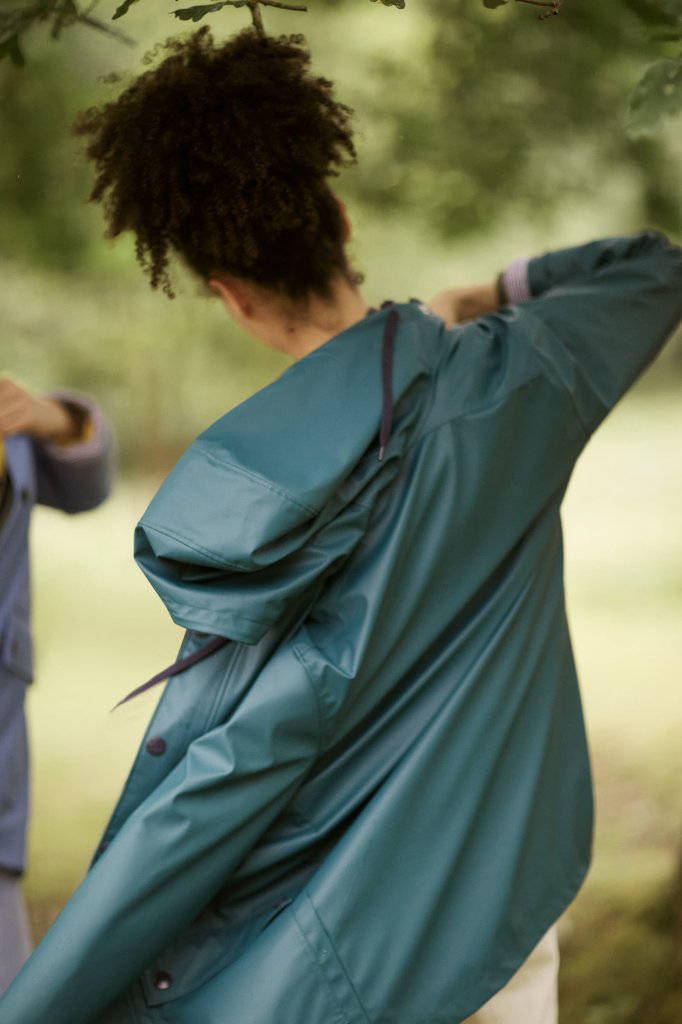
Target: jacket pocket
16,652
211,944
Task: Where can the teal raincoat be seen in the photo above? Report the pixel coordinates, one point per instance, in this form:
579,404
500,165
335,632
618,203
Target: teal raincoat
370,804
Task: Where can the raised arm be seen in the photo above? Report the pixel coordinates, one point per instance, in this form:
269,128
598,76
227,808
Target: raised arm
72,444
42,417
456,305
597,314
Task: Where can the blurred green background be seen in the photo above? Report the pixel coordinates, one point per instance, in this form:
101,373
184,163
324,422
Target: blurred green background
482,135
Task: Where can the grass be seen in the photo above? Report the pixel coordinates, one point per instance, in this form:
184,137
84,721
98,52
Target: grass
100,631
622,962
622,943
624,550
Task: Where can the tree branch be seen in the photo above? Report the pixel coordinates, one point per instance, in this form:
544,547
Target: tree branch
257,17
284,7
199,11
553,5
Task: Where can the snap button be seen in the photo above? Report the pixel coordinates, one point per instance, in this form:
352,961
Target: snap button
156,745
162,980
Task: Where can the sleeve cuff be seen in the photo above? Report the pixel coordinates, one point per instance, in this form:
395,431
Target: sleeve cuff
91,441
515,281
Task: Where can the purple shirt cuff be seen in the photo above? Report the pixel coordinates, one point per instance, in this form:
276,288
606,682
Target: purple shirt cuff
516,283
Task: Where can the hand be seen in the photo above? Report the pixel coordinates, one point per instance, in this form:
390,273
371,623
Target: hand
453,305
22,412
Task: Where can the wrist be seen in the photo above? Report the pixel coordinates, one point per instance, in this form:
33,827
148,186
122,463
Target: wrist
54,421
477,300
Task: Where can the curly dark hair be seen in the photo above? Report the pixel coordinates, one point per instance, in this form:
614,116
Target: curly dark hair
221,154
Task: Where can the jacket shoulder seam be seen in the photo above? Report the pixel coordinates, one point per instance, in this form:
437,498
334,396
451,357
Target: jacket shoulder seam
545,362
483,408
262,481
175,535
477,410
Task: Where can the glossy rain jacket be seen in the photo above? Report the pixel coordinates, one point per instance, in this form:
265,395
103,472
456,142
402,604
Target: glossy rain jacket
372,802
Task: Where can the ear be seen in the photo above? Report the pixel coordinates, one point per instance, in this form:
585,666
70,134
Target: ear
235,297
347,227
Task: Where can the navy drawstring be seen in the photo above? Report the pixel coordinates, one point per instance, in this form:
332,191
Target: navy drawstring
179,666
217,642
387,379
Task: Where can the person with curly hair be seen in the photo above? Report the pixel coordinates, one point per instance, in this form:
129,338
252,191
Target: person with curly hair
364,795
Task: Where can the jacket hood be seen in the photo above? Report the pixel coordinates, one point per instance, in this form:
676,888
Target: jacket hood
250,517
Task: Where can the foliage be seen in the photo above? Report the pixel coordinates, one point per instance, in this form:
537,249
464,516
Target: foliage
199,11
658,94
58,14
496,113
42,181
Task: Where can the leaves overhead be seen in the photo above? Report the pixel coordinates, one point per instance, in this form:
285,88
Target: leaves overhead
498,112
16,21
123,9
658,95
10,48
656,12
199,11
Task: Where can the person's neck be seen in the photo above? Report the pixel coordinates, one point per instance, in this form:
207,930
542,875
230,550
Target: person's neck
299,335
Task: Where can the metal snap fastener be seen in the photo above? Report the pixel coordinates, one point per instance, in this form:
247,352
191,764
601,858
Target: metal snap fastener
162,980
156,745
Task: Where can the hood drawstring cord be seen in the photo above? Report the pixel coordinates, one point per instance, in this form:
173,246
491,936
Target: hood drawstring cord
214,644
387,379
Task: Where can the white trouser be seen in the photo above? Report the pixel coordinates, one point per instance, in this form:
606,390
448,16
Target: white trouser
15,944
530,997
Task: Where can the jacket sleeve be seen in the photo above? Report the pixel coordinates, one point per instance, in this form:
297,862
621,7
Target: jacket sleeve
76,476
173,854
605,310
